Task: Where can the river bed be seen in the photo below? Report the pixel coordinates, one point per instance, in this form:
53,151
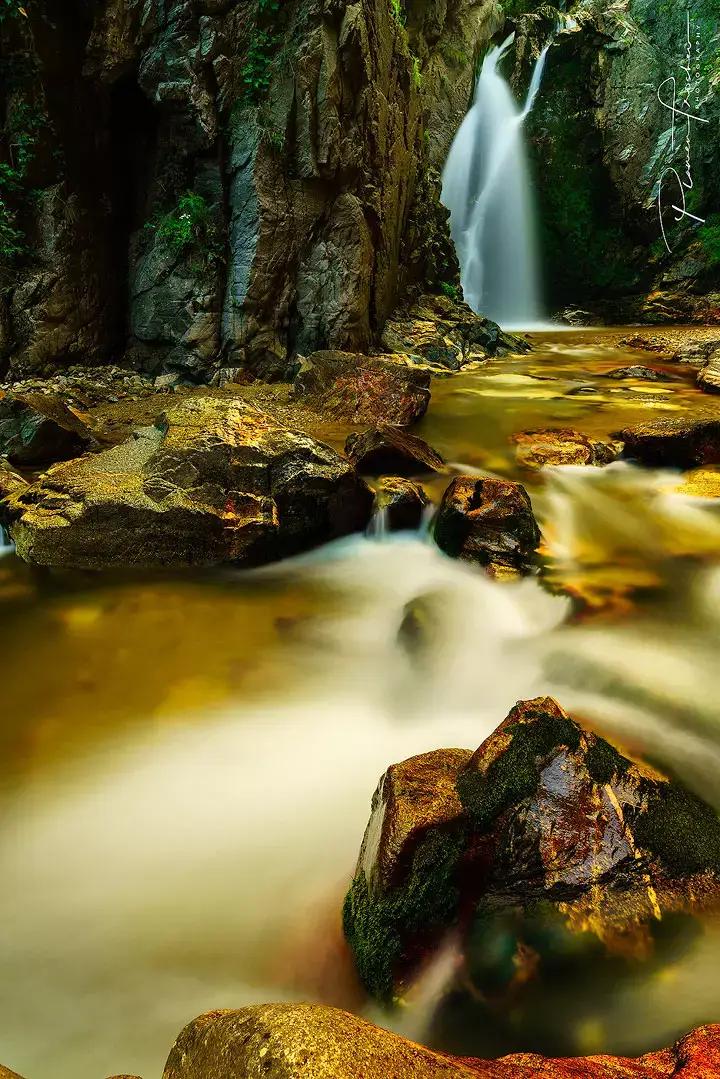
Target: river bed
188,761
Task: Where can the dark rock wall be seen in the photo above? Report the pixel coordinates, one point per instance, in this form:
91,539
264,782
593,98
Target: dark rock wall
212,183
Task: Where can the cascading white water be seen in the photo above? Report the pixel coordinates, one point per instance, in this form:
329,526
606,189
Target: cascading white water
486,187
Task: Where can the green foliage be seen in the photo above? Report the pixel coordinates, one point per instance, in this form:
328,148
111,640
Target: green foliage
190,226
10,9
24,125
398,11
455,57
255,71
709,236
384,927
449,290
416,72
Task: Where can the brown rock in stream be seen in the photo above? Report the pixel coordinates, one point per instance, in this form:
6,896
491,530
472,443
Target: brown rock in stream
401,502
388,450
544,815
214,481
488,521
562,446
676,443
314,1041
364,389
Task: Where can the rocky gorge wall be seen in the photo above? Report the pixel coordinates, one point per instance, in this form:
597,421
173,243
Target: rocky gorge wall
187,185
600,143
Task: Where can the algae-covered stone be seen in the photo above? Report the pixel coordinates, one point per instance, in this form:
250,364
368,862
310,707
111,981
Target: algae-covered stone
542,811
364,389
215,480
314,1041
488,521
562,446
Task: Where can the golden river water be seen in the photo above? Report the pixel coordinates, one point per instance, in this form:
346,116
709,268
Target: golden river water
188,761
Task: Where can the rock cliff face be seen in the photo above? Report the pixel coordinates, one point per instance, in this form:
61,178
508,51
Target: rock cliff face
603,143
190,184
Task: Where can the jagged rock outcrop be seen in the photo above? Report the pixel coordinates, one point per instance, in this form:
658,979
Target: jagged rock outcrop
214,480
544,818
490,522
39,428
601,143
386,450
195,185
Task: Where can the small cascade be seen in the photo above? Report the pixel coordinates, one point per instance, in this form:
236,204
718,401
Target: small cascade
6,544
486,187
379,525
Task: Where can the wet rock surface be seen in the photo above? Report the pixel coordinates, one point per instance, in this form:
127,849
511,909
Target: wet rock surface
675,443
313,1041
445,333
39,428
708,378
647,374
488,521
542,812
388,449
562,446
364,389
215,480
399,504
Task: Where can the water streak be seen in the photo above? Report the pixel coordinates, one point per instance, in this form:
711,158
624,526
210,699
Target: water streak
486,187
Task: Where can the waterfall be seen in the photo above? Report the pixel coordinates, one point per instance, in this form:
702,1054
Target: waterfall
486,187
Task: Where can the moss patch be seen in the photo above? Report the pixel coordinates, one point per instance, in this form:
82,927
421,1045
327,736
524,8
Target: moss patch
383,929
681,830
604,763
514,775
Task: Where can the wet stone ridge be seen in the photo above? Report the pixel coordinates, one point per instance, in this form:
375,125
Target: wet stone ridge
544,813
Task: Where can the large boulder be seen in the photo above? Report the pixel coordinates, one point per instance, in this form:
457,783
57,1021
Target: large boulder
39,428
314,1041
543,812
674,443
386,450
215,480
562,446
488,521
364,389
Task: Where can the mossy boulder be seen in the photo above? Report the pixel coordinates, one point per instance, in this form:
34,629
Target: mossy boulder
543,812
489,522
214,480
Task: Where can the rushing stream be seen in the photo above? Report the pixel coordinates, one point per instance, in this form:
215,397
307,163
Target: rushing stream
188,763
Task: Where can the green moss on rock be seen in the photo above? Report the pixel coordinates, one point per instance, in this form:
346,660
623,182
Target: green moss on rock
681,830
514,775
379,926
604,763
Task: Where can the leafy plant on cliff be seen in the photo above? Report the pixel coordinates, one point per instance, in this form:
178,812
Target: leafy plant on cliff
189,226
256,69
709,236
398,11
22,132
416,72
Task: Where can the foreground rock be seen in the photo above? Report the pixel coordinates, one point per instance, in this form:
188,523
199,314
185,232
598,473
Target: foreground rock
708,378
39,428
364,389
399,505
563,446
647,374
542,813
313,1041
490,522
442,332
213,481
390,450
673,443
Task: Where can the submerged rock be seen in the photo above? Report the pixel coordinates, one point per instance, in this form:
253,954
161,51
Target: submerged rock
708,378
399,505
388,449
364,389
314,1041
647,374
446,333
562,446
39,428
543,811
213,481
488,521
645,344
675,443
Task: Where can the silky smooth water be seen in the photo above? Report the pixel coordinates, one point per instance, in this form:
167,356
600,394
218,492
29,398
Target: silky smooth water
486,187
188,762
